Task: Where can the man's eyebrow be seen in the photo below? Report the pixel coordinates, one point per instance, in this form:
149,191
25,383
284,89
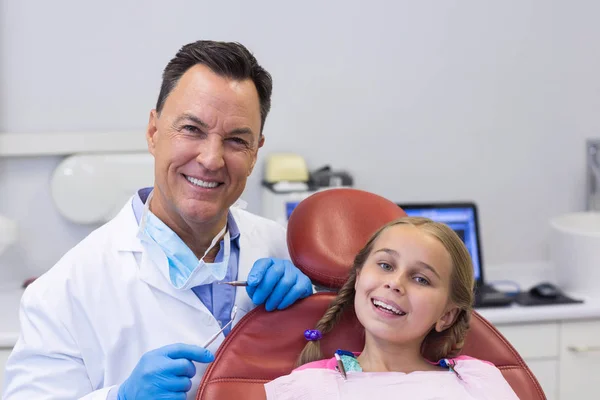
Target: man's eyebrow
240,131
394,253
198,121
193,118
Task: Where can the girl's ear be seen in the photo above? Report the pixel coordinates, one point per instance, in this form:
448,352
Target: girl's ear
446,320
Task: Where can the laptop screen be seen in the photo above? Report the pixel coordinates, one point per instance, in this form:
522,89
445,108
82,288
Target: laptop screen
289,207
462,218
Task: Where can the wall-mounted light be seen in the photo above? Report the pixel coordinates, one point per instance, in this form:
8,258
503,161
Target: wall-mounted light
92,188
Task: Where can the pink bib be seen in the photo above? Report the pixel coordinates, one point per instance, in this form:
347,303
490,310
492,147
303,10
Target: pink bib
474,379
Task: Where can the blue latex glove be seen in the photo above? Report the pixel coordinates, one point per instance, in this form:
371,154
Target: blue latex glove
164,373
278,283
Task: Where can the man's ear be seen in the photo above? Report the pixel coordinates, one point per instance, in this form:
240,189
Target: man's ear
261,142
446,320
151,130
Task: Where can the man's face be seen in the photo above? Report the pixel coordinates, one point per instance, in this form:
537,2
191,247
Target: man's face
204,142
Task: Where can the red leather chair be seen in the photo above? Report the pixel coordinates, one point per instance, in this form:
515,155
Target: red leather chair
325,232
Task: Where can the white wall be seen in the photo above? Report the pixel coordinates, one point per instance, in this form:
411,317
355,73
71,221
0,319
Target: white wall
420,100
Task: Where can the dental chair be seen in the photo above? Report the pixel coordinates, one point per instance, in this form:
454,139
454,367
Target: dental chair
325,232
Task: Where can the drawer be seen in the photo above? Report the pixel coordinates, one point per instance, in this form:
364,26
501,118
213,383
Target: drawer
533,341
579,359
581,337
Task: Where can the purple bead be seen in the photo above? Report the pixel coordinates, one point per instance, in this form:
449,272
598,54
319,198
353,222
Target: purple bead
312,334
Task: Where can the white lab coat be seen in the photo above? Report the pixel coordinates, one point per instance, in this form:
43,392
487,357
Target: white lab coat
86,322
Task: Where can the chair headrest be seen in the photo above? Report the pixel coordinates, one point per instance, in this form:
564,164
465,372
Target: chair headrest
327,229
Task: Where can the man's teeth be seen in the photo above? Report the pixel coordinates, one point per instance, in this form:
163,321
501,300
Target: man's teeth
203,184
388,307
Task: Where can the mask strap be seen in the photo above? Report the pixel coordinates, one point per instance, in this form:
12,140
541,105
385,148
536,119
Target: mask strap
144,219
145,212
215,240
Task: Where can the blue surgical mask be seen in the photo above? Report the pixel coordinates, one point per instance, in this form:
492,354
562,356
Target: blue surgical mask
185,270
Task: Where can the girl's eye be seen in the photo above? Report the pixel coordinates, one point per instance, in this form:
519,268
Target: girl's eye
422,281
385,266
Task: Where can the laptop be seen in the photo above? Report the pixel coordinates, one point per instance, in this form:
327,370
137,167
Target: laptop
463,219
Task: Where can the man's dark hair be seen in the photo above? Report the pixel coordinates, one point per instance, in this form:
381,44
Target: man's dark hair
227,59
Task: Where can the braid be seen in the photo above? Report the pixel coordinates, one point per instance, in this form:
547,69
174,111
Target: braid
448,343
333,314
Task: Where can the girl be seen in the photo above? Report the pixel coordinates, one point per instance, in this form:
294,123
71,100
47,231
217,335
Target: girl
411,287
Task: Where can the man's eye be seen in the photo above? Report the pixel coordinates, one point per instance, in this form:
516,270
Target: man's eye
191,128
239,141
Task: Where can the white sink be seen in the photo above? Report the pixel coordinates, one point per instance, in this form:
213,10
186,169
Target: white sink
575,250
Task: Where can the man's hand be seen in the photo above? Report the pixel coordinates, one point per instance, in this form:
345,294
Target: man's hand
278,283
164,373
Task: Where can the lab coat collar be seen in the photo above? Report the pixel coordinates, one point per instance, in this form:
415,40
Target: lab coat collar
126,235
127,241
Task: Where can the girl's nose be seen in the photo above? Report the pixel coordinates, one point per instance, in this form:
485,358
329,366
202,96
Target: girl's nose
396,284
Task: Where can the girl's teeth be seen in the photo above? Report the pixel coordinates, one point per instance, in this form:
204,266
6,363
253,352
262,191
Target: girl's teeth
387,307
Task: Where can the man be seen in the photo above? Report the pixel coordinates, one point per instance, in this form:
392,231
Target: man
124,314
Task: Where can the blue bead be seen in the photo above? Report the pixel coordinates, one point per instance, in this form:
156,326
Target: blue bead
312,334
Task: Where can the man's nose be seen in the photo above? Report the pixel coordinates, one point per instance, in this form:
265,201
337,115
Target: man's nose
211,153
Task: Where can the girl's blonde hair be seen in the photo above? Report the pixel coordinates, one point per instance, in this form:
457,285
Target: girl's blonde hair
436,345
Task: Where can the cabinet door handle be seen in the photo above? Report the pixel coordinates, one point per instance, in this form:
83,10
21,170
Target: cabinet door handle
583,349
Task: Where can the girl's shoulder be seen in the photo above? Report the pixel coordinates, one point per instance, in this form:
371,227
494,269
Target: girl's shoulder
472,361
482,378
468,363
468,367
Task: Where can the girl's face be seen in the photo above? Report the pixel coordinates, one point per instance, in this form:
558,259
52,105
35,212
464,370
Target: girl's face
402,291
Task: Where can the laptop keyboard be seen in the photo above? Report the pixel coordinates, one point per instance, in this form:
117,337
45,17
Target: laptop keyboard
487,296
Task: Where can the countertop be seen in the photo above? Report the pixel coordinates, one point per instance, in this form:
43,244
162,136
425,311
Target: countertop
516,314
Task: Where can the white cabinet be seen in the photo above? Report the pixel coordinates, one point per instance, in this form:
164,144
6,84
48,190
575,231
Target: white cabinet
539,345
4,353
579,359
533,341
563,355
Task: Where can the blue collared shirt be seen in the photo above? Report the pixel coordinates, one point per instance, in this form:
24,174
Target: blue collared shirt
218,299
